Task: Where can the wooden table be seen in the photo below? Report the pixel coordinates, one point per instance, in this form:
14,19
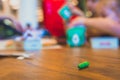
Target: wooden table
61,64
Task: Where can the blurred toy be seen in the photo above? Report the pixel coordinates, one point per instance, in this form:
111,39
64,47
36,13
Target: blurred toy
76,36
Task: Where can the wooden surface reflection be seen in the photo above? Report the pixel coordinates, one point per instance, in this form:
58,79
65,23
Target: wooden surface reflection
61,64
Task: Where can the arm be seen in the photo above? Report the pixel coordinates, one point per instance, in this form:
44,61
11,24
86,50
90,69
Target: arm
104,24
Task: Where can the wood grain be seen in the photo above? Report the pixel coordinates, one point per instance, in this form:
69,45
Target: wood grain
61,64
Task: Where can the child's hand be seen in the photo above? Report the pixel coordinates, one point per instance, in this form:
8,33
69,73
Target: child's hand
75,10
77,21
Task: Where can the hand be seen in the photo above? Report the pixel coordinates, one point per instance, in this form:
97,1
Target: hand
77,21
75,10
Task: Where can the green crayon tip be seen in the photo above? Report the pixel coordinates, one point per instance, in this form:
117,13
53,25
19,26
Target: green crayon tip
83,65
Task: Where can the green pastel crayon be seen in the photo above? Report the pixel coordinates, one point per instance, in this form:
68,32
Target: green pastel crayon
83,65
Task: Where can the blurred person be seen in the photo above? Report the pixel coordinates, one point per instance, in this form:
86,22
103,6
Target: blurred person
28,27
28,32
107,20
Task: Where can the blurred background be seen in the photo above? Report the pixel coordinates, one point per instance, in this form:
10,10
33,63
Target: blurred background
20,19
19,13
32,19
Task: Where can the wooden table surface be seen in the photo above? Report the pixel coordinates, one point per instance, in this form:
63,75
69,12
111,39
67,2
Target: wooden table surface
61,64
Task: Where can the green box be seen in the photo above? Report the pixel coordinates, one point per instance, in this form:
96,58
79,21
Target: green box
76,36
